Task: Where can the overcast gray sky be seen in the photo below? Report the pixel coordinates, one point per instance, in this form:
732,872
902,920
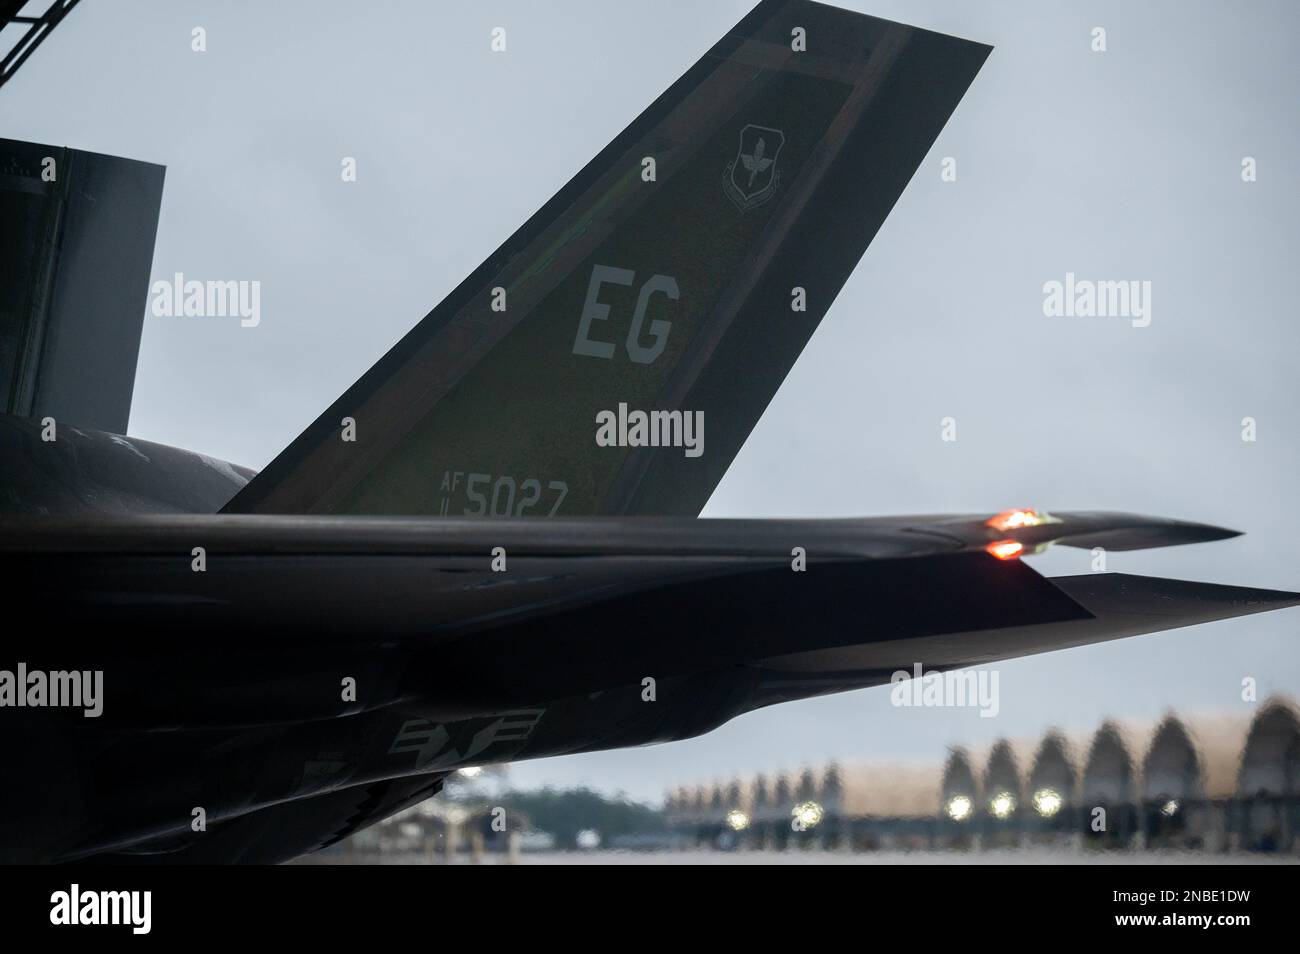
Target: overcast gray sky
1116,165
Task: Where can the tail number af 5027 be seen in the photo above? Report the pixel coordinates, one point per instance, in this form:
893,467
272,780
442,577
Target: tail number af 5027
503,496
595,310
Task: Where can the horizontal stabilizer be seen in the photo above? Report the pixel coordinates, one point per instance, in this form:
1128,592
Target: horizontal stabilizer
610,597
1082,529
1117,605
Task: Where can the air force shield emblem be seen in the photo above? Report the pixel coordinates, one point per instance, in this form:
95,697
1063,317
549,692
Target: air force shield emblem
753,176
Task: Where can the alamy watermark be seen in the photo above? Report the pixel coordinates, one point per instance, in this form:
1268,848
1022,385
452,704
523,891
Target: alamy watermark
1084,298
956,688
626,428
179,298
60,689
75,906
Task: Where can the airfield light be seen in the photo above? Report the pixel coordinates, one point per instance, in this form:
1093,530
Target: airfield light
1170,808
958,808
1002,804
737,820
1015,520
807,815
1005,549
1047,802
455,815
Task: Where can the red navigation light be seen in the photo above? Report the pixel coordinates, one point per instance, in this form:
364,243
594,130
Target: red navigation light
1014,520
1005,549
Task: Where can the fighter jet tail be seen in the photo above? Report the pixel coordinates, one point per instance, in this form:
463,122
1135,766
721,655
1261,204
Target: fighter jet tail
614,354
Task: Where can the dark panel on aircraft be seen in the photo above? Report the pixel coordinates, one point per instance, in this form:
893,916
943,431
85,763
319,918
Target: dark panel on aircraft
86,471
77,237
222,687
